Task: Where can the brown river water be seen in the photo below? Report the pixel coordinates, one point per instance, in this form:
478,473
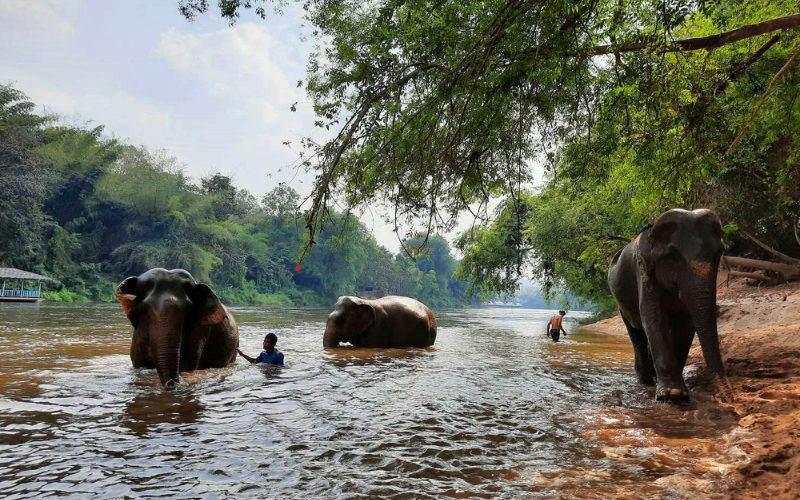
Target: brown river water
494,410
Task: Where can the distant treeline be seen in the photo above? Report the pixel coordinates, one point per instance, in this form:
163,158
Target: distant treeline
89,211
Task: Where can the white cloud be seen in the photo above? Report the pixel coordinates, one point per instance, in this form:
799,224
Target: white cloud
251,72
244,64
122,113
45,18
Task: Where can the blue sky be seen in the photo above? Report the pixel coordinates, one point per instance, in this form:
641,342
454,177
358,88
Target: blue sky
214,96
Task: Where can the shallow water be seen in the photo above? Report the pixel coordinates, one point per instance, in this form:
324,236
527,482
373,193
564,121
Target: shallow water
494,410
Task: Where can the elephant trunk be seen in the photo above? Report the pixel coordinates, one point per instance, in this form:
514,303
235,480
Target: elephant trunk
700,296
166,333
330,339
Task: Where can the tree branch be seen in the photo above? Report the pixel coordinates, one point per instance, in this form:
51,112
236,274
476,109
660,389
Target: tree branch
796,235
781,256
752,276
785,269
705,102
698,43
763,98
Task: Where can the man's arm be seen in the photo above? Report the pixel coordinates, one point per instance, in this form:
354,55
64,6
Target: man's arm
547,328
245,356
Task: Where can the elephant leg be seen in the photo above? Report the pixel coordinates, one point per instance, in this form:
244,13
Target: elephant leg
191,353
682,330
669,385
218,349
643,362
140,354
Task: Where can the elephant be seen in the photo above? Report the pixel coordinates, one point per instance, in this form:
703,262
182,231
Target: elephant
386,322
179,325
665,283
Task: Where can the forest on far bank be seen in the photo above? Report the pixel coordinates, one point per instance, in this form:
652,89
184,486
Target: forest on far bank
88,211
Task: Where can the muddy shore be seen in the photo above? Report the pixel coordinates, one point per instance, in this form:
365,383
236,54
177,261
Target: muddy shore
759,456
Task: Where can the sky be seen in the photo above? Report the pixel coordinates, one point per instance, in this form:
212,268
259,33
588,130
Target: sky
216,97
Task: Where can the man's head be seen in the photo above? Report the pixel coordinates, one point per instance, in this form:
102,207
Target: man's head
270,340
562,313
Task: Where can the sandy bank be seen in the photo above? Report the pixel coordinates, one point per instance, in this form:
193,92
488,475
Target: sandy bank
760,341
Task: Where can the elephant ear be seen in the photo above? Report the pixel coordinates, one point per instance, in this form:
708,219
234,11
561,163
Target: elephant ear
660,238
208,307
362,316
126,295
654,243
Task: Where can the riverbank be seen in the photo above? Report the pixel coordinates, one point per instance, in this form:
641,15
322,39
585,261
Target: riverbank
759,330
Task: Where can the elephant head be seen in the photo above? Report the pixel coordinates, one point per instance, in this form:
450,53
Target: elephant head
164,308
350,319
681,252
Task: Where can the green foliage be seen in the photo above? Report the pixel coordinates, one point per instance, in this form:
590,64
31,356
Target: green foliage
64,295
23,179
99,211
658,133
441,106
249,294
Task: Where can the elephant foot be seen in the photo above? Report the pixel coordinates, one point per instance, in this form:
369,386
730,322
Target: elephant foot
672,394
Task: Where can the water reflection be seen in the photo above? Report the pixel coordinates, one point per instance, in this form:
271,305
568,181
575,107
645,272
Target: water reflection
349,355
145,411
495,410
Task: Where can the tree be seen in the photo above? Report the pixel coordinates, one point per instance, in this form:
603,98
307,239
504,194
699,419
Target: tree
223,194
23,180
442,105
632,107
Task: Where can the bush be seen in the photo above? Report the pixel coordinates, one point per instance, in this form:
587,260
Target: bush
65,295
249,295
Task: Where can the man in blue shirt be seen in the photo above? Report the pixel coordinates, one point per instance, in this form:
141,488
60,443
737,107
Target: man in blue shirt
270,355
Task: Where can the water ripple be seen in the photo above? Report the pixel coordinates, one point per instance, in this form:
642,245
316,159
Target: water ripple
493,411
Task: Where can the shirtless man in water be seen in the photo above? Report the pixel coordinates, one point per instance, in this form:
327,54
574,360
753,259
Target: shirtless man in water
555,326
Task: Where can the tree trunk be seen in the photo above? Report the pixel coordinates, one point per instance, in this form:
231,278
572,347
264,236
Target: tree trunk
785,272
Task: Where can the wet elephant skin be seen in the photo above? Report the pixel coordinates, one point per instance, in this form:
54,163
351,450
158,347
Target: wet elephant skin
665,282
391,321
179,325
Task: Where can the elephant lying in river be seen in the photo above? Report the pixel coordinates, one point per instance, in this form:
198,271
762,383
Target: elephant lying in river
385,322
665,282
179,325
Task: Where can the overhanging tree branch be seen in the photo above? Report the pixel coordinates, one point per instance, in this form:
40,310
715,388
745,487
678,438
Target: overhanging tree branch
698,43
780,74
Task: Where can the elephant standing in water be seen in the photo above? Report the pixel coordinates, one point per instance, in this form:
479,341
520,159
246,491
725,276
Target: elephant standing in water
665,282
179,325
385,322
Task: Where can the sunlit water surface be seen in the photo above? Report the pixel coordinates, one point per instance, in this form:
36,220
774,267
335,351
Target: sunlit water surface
494,410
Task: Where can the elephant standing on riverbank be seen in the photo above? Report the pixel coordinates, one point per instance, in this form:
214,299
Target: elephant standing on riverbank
665,282
385,322
179,325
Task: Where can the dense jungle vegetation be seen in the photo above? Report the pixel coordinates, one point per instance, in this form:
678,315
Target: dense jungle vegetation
631,107
89,211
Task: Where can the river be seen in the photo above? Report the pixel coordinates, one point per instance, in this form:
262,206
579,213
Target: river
494,410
